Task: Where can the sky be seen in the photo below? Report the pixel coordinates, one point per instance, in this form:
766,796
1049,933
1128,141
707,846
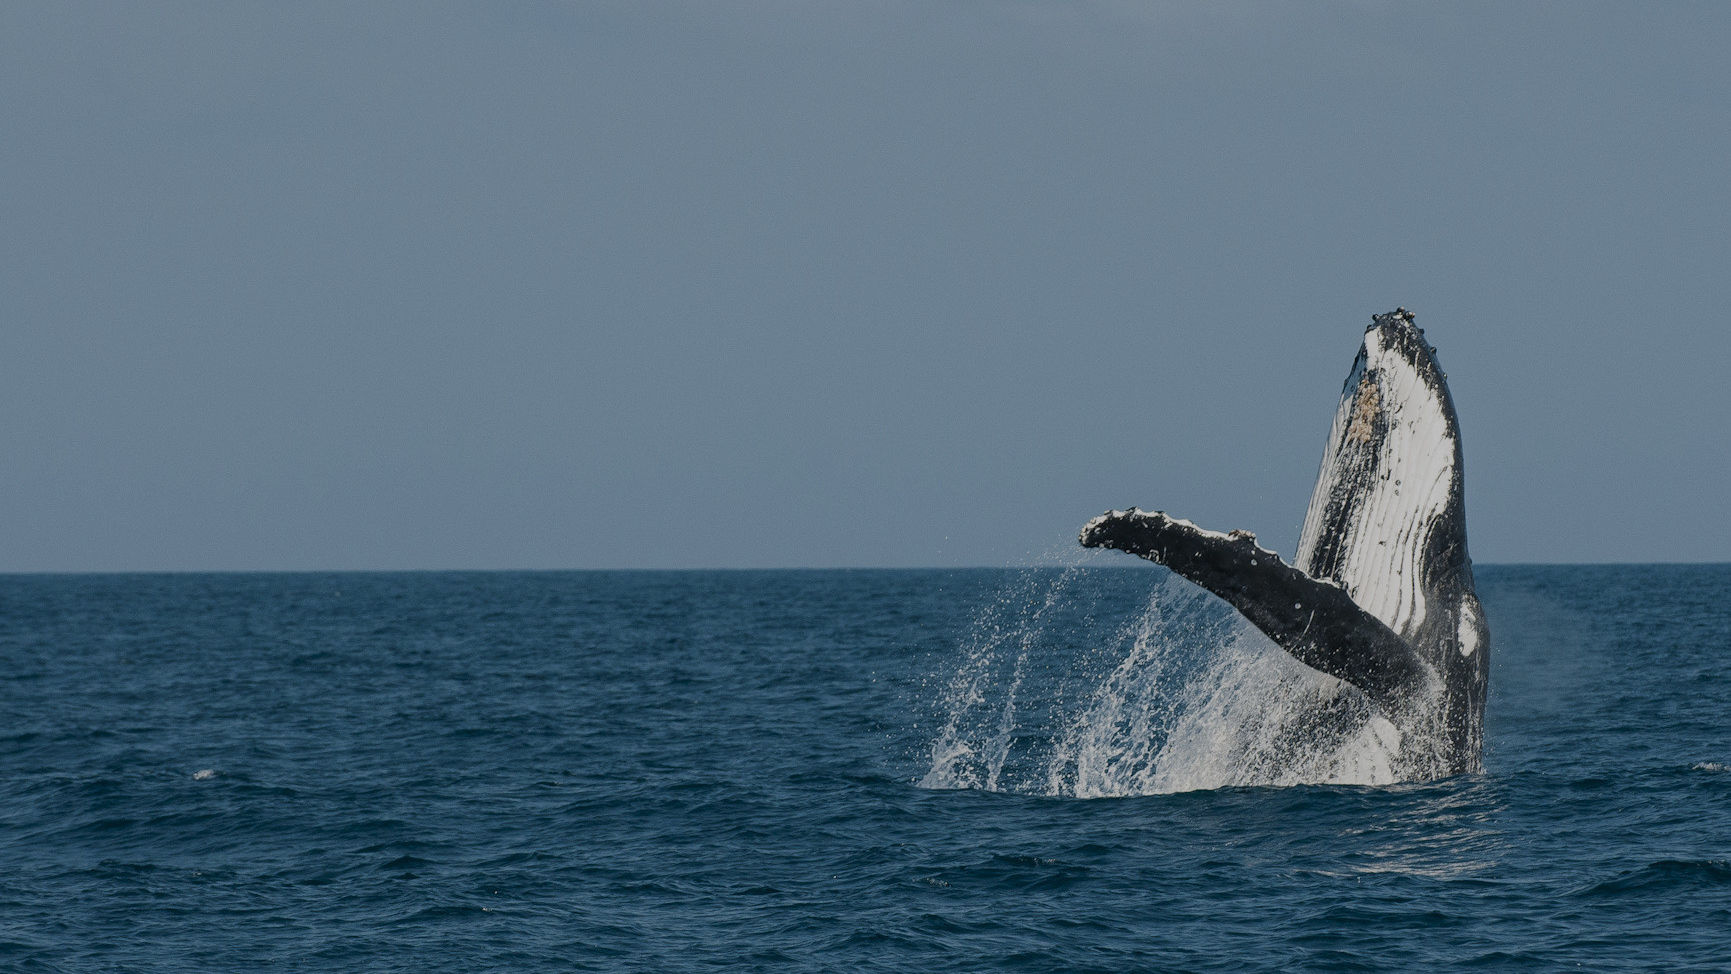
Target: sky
805,283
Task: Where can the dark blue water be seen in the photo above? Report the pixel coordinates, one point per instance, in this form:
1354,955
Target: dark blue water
694,771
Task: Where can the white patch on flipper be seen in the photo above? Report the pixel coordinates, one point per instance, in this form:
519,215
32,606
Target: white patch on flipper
1469,628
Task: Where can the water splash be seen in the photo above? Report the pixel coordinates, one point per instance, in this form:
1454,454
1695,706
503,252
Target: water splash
974,745
1069,689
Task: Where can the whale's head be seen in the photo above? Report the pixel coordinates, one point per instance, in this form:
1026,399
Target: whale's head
1394,341
1386,519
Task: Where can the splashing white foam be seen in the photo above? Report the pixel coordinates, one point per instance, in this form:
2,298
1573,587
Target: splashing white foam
974,745
1178,696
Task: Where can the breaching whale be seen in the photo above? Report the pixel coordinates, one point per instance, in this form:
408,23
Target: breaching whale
1380,594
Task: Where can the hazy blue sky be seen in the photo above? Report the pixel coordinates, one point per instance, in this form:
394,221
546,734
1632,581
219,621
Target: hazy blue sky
646,284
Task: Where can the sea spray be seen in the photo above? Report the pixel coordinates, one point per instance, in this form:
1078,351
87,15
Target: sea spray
1110,745
1256,716
979,728
1066,689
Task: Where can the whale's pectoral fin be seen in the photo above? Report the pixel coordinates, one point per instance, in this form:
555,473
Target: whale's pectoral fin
1314,620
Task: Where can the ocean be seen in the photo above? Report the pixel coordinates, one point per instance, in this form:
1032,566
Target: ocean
1051,769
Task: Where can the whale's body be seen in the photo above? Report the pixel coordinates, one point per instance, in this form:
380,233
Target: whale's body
1380,594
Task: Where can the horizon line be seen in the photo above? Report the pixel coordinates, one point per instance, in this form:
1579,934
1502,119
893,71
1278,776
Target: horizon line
27,573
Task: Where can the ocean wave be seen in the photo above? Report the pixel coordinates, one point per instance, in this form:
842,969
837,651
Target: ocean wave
1666,874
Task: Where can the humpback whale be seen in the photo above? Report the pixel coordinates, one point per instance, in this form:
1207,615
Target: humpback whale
1380,594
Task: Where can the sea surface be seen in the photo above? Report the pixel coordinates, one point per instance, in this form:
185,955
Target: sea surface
1064,769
